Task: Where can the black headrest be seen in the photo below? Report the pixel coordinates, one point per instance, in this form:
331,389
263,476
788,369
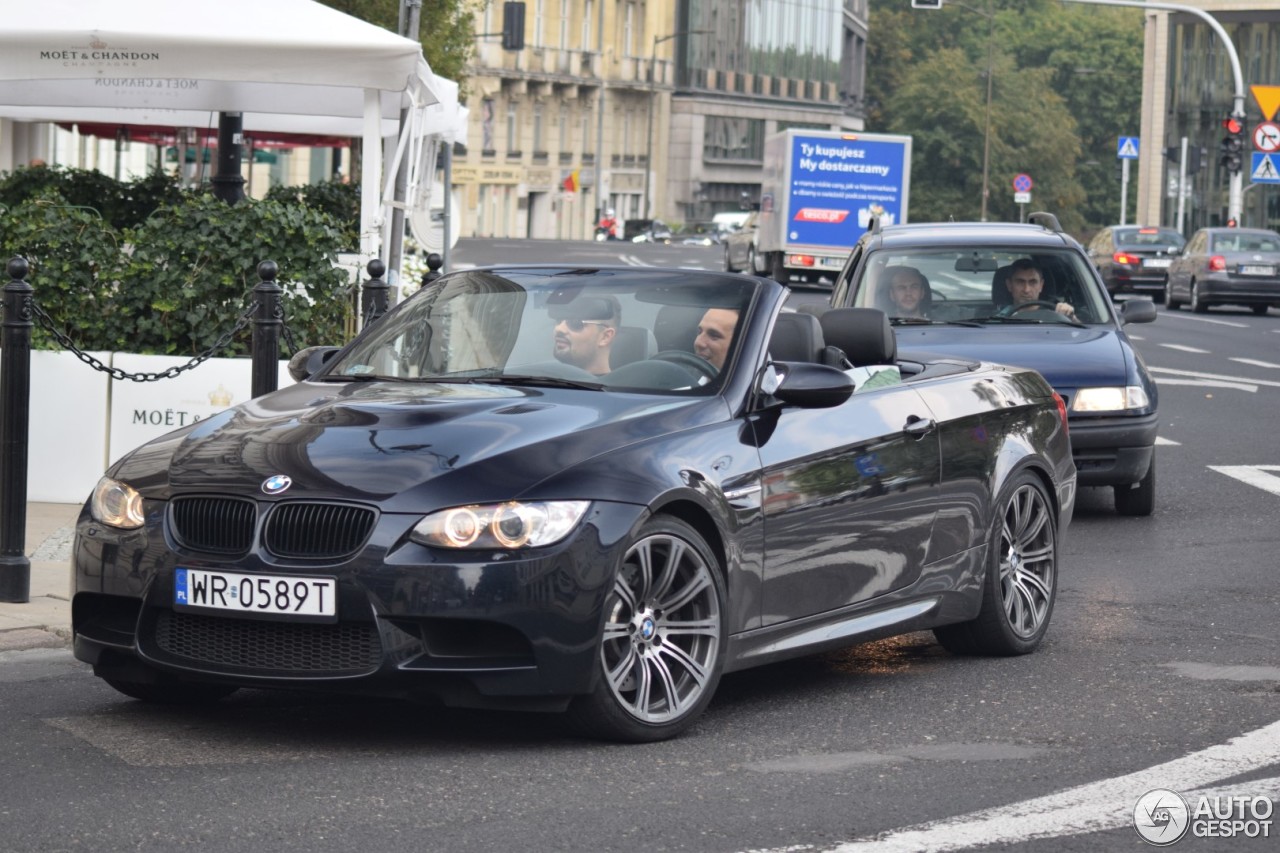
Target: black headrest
676,326
863,333
630,343
797,337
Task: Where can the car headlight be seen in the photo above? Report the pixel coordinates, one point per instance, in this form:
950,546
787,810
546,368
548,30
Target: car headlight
1110,399
116,504
515,524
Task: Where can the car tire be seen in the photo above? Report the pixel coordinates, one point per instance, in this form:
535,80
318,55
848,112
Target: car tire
1198,305
1170,303
171,692
778,267
663,639
728,264
751,261
1139,500
1021,582
1260,310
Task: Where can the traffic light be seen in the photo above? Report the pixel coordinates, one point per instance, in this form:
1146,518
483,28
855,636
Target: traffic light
1230,151
1197,159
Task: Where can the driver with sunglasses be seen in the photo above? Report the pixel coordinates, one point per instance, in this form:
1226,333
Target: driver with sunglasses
584,332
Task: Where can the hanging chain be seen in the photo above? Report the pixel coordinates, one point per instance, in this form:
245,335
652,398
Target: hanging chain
116,373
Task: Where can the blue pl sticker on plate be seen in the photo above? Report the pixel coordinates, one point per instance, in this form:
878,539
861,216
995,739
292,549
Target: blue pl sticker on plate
180,587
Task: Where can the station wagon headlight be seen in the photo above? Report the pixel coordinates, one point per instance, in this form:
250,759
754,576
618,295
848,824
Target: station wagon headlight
1110,399
515,524
116,504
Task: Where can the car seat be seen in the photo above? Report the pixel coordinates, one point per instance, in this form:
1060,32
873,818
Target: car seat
863,334
676,326
1000,296
797,337
631,343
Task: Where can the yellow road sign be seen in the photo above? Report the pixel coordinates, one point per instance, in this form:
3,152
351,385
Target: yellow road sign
1268,98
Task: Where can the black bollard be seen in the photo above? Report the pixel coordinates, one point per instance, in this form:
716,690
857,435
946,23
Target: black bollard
267,323
373,296
15,413
434,263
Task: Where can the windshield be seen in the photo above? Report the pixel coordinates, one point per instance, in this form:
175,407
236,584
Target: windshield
656,331
968,285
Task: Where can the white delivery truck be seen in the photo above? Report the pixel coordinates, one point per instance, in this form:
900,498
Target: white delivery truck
821,190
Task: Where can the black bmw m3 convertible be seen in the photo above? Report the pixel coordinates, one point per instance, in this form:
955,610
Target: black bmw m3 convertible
588,490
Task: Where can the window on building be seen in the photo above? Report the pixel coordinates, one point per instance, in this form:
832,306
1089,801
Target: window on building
629,30
537,23
564,24
513,128
588,34
539,131
733,138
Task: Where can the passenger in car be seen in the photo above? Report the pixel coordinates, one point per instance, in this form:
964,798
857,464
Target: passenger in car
584,332
715,331
907,293
1025,281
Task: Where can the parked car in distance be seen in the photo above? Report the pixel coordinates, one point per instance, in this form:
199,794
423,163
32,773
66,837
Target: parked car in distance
646,231
699,234
1135,258
965,309
451,508
1226,266
740,247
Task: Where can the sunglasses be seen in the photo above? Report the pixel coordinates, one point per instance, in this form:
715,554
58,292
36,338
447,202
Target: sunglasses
576,325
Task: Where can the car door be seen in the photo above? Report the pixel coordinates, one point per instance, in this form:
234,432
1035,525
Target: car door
1181,270
846,500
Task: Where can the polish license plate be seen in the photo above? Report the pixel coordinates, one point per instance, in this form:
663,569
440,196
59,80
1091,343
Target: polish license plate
275,594
1257,269
1157,263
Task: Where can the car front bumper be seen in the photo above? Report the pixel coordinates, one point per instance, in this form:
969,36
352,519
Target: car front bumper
1112,451
468,628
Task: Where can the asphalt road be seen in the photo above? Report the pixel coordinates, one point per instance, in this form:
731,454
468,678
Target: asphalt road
1161,670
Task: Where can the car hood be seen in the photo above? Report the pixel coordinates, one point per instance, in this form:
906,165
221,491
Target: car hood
1068,356
403,445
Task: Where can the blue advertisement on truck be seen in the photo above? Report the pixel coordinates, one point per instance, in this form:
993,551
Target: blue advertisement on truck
821,191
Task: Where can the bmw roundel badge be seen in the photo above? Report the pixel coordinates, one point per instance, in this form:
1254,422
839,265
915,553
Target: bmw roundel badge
276,484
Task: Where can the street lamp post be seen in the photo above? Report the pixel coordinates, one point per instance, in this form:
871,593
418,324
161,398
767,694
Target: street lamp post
648,149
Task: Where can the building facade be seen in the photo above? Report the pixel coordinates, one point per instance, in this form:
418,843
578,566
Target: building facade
650,108
1188,89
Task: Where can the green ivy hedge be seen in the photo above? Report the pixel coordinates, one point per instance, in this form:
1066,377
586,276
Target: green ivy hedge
147,267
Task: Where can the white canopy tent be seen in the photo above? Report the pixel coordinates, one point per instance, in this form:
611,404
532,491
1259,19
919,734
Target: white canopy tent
285,65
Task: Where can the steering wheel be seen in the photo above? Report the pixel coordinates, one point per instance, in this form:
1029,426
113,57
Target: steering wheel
1036,303
699,366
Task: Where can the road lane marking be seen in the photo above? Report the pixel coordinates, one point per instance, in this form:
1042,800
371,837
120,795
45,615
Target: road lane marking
1092,807
1211,383
1253,475
1254,362
1168,441
1185,348
1194,374
1174,314
633,261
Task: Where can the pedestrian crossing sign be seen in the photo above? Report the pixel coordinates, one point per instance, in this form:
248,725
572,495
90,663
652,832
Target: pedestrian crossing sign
1127,148
1265,168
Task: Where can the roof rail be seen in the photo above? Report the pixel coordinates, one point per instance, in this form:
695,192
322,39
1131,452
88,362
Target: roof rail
1046,219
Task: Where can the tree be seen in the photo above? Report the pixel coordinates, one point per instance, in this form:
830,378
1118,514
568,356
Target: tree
1066,84
447,29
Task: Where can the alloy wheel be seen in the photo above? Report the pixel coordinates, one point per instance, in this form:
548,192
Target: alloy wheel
1027,553
662,632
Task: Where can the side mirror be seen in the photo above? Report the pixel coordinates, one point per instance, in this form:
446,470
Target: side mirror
1137,311
812,386
306,362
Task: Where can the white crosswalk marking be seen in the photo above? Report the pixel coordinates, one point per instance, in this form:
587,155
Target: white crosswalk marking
1254,362
1255,475
1185,348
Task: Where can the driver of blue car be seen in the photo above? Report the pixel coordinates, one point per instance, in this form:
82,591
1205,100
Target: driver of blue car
1025,281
